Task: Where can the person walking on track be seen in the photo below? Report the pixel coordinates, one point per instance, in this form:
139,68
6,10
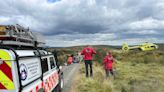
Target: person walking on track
88,52
70,59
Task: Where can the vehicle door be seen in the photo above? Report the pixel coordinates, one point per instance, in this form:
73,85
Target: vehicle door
50,73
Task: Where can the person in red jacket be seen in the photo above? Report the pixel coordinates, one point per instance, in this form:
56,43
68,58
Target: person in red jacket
88,52
108,64
70,59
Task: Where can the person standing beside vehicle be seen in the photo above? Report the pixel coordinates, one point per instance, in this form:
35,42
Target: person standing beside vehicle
88,56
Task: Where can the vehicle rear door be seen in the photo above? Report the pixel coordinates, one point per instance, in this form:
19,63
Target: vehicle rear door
6,76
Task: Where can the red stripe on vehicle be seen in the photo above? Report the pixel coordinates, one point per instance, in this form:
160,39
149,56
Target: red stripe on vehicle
42,85
37,88
1,86
6,70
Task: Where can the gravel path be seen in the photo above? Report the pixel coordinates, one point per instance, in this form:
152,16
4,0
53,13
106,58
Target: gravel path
69,74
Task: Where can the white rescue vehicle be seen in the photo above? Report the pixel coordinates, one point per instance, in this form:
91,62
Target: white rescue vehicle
29,69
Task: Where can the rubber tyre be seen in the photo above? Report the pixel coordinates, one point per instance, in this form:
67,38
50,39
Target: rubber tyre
57,89
59,86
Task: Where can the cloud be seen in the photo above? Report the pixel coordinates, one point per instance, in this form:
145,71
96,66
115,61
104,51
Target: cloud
4,19
148,23
143,32
78,22
52,1
80,39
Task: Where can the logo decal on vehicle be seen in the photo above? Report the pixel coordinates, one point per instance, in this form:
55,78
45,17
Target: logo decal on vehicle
23,72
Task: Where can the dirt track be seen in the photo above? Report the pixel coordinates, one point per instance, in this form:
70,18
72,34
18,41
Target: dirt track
69,74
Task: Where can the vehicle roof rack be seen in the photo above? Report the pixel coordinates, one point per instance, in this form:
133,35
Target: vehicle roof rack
18,36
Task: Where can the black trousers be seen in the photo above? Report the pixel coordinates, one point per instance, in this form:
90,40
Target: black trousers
88,63
108,72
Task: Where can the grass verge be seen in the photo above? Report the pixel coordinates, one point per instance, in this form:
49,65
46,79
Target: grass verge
135,72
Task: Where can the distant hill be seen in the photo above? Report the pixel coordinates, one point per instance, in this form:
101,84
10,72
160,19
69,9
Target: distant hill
80,47
77,48
63,52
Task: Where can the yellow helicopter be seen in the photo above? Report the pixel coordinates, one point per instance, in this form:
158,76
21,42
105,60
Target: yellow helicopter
143,47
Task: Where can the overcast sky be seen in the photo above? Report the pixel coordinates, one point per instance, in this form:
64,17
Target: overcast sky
81,22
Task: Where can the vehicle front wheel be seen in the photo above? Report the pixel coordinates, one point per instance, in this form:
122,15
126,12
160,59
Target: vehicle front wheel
59,87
